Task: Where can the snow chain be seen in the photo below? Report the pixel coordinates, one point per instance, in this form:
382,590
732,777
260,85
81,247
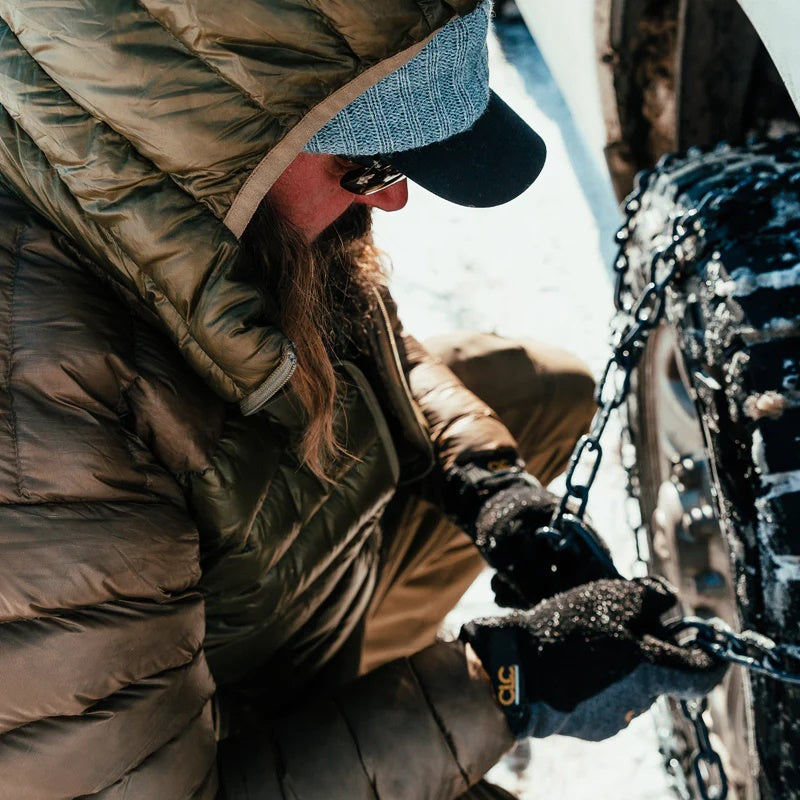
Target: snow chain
631,325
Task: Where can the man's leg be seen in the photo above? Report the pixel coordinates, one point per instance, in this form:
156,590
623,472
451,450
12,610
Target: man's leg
544,395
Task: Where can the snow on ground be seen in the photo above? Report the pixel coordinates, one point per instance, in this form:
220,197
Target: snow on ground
537,267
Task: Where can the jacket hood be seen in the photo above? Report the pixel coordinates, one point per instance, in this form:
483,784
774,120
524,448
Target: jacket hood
148,131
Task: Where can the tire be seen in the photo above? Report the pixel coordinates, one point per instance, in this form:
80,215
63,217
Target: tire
715,418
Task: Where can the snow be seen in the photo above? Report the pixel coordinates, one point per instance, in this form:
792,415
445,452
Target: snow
537,267
744,281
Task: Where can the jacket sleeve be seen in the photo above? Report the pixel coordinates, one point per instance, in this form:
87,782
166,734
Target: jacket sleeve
104,689
421,728
461,425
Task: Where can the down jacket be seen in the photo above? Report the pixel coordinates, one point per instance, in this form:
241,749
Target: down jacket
160,543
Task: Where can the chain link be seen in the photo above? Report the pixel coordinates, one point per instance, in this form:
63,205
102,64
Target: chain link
749,649
635,318
633,509
712,782
633,324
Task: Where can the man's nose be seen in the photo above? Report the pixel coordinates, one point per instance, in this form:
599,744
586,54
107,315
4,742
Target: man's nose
393,198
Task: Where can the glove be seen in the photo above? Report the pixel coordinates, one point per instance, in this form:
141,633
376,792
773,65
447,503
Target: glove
587,661
503,508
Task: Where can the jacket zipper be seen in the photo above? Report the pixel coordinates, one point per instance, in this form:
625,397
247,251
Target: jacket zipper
371,401
257,399
409,414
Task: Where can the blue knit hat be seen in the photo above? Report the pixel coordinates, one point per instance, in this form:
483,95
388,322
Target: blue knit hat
439,93
436,120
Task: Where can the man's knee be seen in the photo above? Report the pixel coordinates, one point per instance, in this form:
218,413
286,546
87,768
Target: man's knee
573,394
543,393
559,411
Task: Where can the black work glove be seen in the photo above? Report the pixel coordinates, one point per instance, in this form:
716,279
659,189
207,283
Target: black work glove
502,507
587,661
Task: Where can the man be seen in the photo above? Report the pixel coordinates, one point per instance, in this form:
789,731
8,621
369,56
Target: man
209,405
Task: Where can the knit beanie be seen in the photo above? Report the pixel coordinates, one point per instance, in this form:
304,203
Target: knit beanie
439,93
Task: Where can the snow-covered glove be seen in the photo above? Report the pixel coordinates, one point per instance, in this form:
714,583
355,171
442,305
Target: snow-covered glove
587,661
503,507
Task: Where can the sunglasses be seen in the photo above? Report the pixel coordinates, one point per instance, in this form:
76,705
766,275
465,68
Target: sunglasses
371,177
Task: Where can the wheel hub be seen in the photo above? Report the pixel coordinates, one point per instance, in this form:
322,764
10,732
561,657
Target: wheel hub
689,550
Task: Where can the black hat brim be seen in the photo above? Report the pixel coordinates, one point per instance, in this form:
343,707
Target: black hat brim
492,162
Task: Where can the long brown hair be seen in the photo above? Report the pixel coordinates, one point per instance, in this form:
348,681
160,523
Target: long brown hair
319,294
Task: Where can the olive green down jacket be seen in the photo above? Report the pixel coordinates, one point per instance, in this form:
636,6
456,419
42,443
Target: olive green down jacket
159,541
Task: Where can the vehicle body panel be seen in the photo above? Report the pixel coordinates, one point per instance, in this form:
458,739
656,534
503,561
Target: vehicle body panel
567,43
777,23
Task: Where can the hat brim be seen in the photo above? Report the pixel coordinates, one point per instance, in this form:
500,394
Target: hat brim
492,162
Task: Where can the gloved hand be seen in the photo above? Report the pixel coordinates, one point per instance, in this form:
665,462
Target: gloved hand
587,661
502,507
